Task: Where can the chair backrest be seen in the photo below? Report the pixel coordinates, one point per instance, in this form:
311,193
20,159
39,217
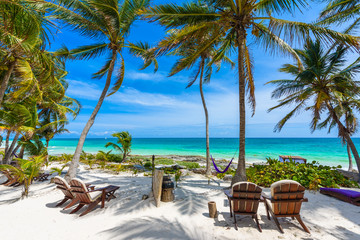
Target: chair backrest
79,188
287,196
246,197
63,186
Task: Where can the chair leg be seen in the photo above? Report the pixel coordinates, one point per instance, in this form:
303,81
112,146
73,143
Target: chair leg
77,208
230,207
236,228
72,203
90,207
267,210
302,223
62,202
257,221
278,224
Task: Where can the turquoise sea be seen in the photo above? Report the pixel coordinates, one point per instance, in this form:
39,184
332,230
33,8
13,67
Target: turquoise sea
328,151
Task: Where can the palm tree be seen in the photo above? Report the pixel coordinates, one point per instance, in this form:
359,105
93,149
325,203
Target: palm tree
238,22
124,139
341,11
345,109
318,87
109,22
103,157
23,29
203,68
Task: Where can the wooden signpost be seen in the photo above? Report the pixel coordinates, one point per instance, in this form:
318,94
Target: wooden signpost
157,185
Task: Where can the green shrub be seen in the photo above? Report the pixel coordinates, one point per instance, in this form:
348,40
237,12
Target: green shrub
115,158
53,158
189,165
164,161
311,175
148,165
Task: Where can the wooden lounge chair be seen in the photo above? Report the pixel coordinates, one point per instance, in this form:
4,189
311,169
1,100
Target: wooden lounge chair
65,188
286,198
244,200
42,177
11,180
349,196
91,198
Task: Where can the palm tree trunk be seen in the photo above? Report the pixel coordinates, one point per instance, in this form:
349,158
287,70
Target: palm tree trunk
240,174
343,132
5,81
75,161
22,150
10,150
350,157
124,156
208,169
47,150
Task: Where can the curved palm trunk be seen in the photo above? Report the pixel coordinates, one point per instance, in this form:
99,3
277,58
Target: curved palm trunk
5,81
9,152
75,161
240,174
350,157
208,169
344,133
22,151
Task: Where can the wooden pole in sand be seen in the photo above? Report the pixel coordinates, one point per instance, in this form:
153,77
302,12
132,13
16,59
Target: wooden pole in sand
157,185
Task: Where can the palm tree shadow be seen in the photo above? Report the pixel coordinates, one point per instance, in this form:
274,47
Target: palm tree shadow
155,228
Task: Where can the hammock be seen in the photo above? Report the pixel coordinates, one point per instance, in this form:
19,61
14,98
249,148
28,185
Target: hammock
217,169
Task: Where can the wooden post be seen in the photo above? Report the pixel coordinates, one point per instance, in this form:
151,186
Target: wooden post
212,209
152,172
153,164
157,186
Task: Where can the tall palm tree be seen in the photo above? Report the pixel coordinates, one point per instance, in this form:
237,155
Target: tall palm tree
202,70
124,139
109,22
323,83
345,109
238,22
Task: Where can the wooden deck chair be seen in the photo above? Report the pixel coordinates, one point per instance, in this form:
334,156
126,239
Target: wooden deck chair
245,200
11,180
91,198
286,198
62,184
65,188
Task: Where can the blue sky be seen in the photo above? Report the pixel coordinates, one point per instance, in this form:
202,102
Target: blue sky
154,105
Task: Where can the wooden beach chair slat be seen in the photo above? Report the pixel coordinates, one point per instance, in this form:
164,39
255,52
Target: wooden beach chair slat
245,201
286,198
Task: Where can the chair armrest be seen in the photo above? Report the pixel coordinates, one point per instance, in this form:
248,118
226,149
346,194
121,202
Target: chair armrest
98,189
305,200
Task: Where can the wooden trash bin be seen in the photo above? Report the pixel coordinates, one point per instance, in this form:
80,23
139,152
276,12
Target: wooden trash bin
212,209
167,194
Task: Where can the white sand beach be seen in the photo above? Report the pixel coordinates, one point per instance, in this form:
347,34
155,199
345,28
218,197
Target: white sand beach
129,217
